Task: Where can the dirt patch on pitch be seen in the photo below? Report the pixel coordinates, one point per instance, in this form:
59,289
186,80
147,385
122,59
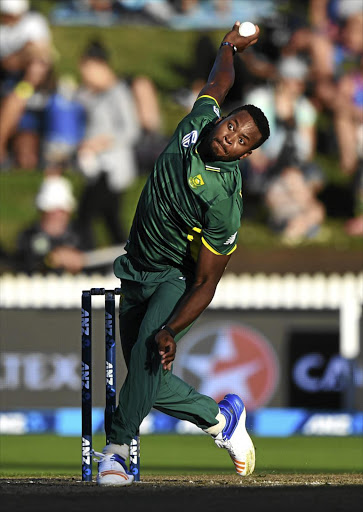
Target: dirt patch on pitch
263,480
194,493
259,480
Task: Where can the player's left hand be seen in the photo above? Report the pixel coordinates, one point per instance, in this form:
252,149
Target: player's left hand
167,348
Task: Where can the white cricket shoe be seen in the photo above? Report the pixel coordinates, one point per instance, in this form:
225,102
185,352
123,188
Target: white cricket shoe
234,437
112,470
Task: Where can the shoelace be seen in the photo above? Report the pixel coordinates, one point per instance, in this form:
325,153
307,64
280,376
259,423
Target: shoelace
98,456
225,443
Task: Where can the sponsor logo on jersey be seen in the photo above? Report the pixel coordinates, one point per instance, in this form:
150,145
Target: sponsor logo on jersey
196,181
216,111
231,239
225,357
190,138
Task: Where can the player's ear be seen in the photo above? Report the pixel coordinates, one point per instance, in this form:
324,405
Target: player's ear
245,155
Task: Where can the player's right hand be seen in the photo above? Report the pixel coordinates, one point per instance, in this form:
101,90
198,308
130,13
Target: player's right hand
167,348
241,42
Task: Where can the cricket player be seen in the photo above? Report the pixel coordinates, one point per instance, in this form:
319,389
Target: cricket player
184,232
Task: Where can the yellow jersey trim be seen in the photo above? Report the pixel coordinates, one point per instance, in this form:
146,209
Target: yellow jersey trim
198,230
211,97
215,252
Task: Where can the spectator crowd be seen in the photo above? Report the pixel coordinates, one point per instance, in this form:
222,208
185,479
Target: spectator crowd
306,74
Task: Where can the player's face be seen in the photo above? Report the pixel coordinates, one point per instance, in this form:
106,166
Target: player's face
233,137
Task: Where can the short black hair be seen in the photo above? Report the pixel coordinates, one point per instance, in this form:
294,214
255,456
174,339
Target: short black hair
96,50
259,119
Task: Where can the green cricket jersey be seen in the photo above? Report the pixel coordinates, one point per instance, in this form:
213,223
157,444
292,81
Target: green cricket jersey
186,202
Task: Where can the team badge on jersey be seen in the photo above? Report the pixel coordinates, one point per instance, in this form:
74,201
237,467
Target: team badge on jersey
231,239
196,181
190,138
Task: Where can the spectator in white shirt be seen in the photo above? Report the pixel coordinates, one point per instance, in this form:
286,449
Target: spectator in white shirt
25,73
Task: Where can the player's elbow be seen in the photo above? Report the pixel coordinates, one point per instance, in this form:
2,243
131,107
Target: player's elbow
206,286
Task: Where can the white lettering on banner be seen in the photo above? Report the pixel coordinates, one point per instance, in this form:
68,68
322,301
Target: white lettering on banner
12,423
38,371
334,376
328,424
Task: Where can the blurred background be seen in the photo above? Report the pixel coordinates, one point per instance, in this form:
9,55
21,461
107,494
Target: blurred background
91,91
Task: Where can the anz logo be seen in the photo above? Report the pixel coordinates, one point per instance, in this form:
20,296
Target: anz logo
190,138
109,373
85,322
108,323
85,375
86,451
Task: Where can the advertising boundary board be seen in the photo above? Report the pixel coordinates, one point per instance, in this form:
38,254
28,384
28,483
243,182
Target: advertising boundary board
269,422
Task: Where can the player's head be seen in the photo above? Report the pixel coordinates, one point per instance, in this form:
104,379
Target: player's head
259,119
235,136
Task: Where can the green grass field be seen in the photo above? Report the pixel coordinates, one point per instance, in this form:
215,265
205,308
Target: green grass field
49,455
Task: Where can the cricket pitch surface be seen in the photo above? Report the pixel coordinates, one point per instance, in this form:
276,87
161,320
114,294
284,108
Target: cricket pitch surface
292,492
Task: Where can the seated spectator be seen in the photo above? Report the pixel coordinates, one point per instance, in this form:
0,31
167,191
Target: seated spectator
354,226
201,14
294,210
26,78
334,45
151,140
64,126
52,242
331,60
348,116
105,156
286,160
86,12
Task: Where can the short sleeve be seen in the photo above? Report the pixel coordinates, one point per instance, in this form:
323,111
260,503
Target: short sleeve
37,28
204,109
220,230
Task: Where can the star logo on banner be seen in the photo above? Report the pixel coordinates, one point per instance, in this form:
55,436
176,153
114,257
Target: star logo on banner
235,360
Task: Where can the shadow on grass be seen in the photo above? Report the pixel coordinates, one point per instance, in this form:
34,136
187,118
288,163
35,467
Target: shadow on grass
165,469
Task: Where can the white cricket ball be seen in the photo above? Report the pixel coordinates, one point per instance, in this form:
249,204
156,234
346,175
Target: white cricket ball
246,29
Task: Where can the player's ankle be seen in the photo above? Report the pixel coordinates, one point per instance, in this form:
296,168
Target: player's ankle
214,430
120,449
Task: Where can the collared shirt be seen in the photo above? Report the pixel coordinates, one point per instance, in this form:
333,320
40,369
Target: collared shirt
186,201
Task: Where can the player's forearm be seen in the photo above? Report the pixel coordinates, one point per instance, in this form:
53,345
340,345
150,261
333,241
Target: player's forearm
222,75
221,78
193,304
